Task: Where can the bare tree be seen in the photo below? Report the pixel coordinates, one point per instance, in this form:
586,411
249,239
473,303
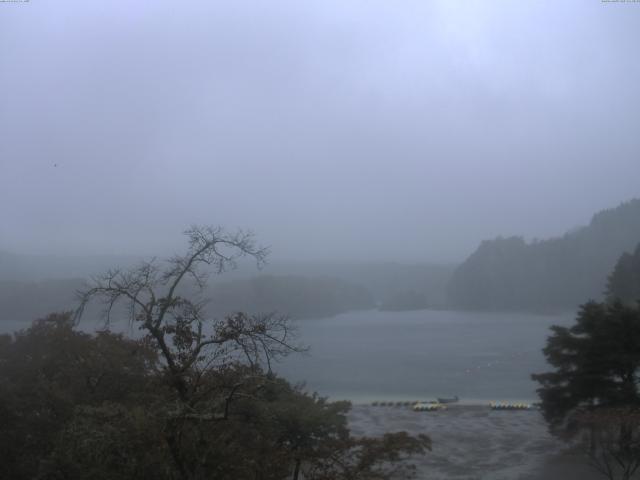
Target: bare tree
198,352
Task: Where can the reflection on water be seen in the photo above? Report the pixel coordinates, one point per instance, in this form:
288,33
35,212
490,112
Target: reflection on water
365,356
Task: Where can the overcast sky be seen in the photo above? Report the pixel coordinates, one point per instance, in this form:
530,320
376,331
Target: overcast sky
383,130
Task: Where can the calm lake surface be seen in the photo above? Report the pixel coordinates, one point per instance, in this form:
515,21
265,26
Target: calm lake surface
420,355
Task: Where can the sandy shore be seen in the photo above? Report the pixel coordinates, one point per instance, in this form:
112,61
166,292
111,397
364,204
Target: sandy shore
474,442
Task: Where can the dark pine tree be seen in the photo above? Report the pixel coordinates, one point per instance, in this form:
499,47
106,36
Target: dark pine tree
624,281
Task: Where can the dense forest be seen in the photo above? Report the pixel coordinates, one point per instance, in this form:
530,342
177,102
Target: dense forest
559,273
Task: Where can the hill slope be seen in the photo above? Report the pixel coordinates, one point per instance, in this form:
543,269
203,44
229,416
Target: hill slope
559,273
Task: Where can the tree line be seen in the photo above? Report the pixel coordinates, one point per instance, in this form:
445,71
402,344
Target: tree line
555,274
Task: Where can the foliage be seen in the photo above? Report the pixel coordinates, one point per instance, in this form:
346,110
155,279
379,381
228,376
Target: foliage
50,368
596,361
109,441
593,391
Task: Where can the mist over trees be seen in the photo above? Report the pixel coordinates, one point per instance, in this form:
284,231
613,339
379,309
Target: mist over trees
298,296
559,273
502,274
299,289
383,279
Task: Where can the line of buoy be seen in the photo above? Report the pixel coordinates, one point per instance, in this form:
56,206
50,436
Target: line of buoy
509,406
428,407
418,406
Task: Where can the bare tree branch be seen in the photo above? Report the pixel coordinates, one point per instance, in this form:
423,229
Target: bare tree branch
178,325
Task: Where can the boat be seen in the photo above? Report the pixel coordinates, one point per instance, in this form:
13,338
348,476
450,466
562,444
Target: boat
448,400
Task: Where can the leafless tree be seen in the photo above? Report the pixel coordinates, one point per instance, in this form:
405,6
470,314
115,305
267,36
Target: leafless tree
208,362
188,341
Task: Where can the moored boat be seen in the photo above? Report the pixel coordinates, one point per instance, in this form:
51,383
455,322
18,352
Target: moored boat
448,400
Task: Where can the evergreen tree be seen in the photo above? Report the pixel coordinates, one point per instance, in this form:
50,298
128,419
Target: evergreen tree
592,395
624,281
596,361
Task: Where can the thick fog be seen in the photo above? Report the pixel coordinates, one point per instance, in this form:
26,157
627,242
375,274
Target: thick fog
397,130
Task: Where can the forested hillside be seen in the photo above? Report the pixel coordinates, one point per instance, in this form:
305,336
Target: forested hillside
297,296
559,273
26,301
32,286
389,282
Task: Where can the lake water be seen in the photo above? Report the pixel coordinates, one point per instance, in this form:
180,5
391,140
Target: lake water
420,355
